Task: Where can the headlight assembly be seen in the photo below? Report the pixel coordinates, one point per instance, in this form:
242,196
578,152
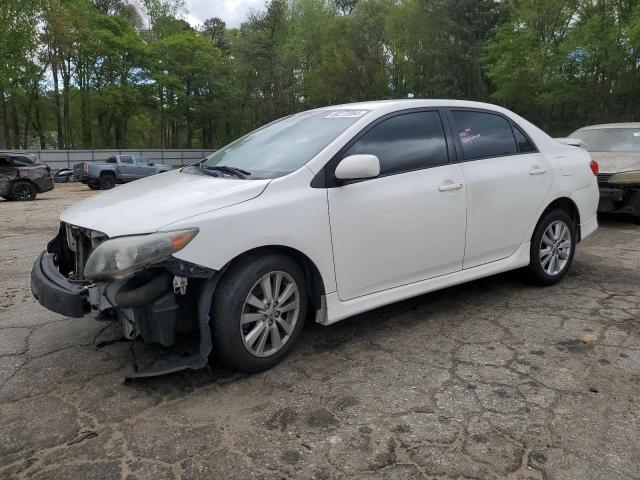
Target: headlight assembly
120,257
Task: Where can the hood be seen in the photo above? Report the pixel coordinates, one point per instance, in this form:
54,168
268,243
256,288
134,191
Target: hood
146,205
617,162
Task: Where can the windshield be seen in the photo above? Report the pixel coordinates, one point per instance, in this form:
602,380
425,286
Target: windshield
284,145
610,139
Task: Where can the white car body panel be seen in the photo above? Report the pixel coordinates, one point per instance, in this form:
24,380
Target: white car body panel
497,227
373,242
397,230
144,206
617,162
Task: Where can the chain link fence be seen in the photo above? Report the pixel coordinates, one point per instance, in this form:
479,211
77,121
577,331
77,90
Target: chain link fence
57,159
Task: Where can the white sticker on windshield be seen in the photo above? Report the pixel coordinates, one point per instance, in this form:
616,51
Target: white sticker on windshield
636,134
346,113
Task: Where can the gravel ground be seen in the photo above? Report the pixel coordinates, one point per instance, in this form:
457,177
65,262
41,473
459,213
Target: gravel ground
492,379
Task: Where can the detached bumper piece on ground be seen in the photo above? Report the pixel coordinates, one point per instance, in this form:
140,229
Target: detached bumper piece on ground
147,305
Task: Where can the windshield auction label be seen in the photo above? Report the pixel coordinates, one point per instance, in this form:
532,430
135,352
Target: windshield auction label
346,113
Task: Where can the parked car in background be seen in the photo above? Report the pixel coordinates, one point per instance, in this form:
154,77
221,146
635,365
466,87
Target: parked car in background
64,175
335,211
23,176
616,147
117,169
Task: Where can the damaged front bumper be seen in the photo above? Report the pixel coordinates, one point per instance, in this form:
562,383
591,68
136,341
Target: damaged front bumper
167,305
56,292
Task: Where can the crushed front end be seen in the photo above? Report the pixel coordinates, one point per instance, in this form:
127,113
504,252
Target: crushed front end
620,192
160,299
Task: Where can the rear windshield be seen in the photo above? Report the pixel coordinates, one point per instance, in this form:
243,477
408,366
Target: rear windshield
610,139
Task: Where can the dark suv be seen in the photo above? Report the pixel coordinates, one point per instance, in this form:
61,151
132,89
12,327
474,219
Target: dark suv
23,176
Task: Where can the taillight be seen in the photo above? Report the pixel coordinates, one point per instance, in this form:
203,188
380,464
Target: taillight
85,167
594,167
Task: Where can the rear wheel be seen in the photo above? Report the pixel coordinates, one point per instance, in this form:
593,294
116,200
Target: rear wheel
259,310
23,191
552,248
107,182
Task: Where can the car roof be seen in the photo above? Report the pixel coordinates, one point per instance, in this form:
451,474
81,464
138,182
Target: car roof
16,152
410,103
611,125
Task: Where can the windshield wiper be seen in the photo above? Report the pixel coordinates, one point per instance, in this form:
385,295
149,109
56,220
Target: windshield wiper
235,171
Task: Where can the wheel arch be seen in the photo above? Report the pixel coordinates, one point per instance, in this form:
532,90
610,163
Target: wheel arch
312,272
567,205
26,180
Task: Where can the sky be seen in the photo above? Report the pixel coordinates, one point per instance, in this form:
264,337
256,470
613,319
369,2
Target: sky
233,12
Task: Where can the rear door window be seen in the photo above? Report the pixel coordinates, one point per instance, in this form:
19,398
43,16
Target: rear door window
483,134
405,142
22,161
126,159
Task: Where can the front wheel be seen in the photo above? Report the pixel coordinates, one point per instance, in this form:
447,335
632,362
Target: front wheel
552,248
258,310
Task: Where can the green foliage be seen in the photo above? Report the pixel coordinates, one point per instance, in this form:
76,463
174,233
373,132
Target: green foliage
123,73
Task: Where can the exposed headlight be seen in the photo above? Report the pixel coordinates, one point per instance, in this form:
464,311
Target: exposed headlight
626,177
121,257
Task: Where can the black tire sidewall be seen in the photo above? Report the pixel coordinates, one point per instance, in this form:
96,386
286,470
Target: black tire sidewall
228,302
16,185
107,182
535,265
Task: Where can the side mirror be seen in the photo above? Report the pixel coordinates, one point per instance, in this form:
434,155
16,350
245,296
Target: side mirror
151,164
356,167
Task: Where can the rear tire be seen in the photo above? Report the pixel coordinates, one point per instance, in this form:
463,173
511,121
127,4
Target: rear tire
553,245
94,187
23,191
254,327
107,182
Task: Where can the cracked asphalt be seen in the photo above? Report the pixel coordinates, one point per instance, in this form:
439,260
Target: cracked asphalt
492,379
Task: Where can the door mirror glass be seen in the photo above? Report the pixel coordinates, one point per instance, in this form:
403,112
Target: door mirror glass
359,166
150,164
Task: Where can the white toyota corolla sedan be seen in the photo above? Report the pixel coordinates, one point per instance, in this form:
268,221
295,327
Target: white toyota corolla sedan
322,214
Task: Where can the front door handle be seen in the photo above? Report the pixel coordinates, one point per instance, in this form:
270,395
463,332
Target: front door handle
450,186
535,170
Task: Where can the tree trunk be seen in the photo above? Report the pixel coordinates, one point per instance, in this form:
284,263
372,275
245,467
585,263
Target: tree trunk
56,101
16,125
87,140
3,119
38,122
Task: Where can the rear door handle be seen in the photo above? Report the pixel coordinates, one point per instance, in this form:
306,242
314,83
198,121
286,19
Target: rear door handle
450,186
537,171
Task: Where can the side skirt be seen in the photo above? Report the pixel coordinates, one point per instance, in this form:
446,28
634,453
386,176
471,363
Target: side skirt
337,310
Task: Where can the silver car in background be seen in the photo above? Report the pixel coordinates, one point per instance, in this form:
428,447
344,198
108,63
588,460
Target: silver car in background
616,148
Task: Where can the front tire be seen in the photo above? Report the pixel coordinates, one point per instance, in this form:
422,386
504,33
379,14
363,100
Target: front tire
259,309
552,248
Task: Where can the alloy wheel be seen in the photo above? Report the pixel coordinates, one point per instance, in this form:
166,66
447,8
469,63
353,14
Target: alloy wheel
23,191
555,247
270,313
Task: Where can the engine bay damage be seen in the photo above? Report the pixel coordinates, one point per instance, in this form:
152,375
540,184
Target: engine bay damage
167,303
